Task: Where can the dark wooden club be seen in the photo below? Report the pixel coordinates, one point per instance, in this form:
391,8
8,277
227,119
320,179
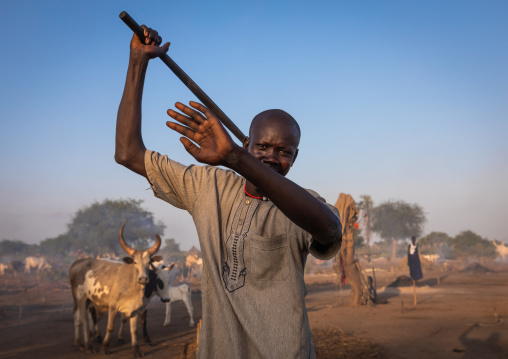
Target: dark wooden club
191,85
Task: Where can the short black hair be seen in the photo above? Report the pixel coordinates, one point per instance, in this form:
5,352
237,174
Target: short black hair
281,114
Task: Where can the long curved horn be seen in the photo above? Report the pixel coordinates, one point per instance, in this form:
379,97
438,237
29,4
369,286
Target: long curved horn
156,246
124,245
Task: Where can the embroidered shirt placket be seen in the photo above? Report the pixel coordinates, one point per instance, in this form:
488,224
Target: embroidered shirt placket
234,271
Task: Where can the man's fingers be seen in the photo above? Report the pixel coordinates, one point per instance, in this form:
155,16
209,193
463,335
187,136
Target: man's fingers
151,36
186,131
190,147
196,116
165,47
187,121
203,109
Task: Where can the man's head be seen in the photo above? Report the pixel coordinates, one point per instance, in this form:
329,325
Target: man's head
273,139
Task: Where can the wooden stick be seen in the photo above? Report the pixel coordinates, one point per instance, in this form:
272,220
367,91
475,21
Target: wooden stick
414,291
197,336
187,81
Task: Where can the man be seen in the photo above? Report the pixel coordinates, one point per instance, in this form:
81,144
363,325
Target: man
255,230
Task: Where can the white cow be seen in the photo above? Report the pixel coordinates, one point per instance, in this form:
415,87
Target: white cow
431,257
502,249
3,267
36,262
183,293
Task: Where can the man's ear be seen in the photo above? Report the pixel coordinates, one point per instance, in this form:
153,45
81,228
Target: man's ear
294,158
246,142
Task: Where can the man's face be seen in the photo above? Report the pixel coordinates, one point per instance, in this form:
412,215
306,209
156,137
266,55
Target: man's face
274,142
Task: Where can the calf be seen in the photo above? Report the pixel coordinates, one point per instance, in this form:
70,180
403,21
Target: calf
3,267
183,293
111,287
502,249
431,257
39,263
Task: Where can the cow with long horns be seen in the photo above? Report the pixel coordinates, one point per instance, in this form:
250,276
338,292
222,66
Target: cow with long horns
112,287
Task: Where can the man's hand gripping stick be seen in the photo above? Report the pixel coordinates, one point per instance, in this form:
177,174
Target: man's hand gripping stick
191,85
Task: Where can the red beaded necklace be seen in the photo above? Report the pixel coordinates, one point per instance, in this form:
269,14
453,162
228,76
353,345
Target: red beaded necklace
248,194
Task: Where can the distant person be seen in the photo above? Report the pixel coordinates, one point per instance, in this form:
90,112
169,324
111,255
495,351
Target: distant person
255,226
413,260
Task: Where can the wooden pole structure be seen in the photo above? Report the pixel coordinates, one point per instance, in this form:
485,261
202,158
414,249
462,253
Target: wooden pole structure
414,291
197,336
374,278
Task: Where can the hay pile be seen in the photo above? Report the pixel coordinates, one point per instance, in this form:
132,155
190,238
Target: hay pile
401,281
335,343
476,268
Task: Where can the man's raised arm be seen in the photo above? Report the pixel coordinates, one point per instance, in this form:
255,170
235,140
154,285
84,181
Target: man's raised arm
129,146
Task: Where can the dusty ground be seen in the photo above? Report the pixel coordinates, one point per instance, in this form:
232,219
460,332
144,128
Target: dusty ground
452,319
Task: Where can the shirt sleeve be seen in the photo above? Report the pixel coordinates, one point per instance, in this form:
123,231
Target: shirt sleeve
329,251
173,182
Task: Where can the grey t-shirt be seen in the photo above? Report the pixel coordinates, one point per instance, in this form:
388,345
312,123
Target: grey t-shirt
253,263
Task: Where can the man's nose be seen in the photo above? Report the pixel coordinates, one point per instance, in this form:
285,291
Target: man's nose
271,155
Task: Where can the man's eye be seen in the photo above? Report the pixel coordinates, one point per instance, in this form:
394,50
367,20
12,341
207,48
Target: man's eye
261,147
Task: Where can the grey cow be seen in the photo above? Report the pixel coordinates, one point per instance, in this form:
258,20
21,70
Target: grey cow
158,284
112,287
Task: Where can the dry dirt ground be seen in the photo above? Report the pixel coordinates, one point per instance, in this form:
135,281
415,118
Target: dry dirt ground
459,317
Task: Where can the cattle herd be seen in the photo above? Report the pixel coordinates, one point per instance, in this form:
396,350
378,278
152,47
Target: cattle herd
126,285
123,286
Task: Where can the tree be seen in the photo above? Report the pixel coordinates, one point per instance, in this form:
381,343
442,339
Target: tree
170,245
359,241
365,208
396,220
96,226
435,243
469,244
171,251
61,245
16,248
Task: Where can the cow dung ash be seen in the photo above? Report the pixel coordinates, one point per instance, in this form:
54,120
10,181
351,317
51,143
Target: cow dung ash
476,268
335,343
401,281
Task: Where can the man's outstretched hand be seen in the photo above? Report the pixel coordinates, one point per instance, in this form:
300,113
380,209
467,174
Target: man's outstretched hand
204,136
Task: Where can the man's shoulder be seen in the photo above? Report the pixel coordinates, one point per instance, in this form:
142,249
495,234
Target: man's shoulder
163,162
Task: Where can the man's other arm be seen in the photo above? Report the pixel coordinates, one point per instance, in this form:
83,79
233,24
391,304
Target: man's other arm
129,146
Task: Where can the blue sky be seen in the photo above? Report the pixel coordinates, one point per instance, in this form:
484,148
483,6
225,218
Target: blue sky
396,99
